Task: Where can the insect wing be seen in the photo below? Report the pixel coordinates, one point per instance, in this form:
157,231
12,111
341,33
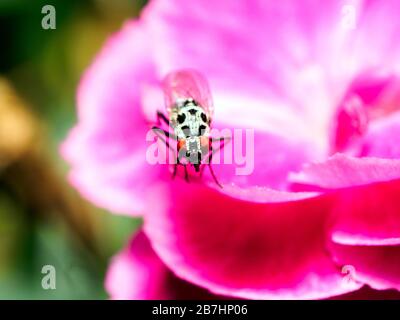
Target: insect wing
187,84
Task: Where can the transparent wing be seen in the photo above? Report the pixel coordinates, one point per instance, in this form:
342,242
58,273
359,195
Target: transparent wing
184,84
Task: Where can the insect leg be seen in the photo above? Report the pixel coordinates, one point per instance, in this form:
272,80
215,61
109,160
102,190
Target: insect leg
214,150
186,173
211,169
201,171
161,117
228,138
175,171
160,132
222,141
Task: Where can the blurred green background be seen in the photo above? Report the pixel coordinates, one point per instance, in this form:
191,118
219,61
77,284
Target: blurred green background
42,219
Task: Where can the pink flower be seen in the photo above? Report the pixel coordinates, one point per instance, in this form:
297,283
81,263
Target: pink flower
323,99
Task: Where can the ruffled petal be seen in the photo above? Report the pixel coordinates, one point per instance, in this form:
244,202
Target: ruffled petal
342,171
263,249
366,206
137,273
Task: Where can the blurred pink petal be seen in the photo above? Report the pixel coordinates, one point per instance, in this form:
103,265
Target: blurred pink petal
248,56
107,149
137,273
382,139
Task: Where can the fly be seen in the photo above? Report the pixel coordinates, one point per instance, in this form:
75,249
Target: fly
189,111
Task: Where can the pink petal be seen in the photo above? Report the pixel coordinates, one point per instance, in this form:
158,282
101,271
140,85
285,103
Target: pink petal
366,204
269,56
341,171
368,119
383,138
366,293
247,53
107,148
377,266
367,215
117,97
245,249
137,273
351,123
266,162
373,42
252,80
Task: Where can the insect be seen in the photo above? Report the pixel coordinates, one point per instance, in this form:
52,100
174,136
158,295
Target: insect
189,111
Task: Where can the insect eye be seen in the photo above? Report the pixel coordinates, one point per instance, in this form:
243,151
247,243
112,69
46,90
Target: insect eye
203,117
181,118
187,154
186,131
202,130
